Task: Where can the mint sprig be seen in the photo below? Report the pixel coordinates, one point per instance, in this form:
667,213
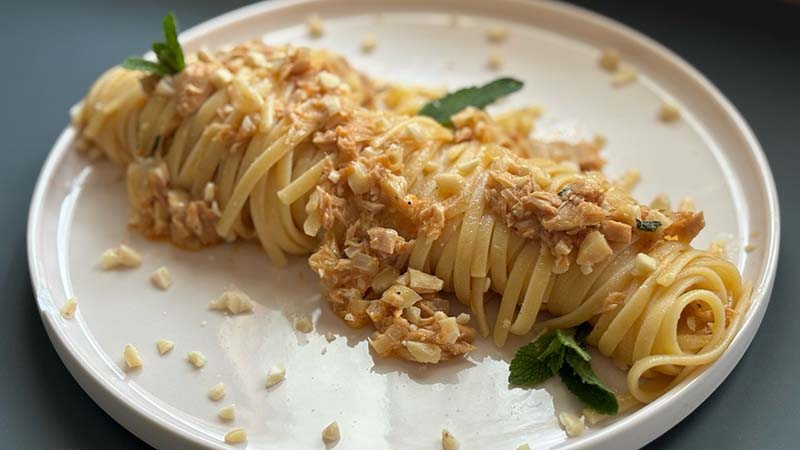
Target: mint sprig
560,352
579,378
442,109
527,368
168,53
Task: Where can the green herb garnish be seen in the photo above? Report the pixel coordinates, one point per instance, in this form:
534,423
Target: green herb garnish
579,378
441,110
560,352
168,53
648,225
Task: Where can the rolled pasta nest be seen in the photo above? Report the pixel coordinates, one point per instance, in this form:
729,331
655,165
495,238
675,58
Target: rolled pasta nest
293,148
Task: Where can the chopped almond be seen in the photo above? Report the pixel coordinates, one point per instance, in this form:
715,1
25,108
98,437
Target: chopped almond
234,301
593,250
275,375
196,359
573,424
164,346
315,26
69,308
449,442
331,433
495,61
131,356
302,323
424,352
217,392
616,231
161,278
609,59
668,112
644,265
122,256
236,436
497,34
624,76
227,413
368,43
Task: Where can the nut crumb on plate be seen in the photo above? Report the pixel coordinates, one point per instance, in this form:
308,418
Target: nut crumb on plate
449,442
131,356
227,413
302,323
495,61
524,447
496,34
276,374
329,336
668,112
623,76
161,278
217,392
196,358
234,301
573,424
122,256
164,346
331,433
609,59
749,248
368,43
68,310
594,417
236,436
314,25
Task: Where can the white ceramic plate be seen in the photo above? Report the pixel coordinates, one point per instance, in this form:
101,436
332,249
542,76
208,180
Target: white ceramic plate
79,209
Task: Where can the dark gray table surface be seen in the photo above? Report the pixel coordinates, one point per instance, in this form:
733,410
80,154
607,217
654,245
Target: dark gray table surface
53,50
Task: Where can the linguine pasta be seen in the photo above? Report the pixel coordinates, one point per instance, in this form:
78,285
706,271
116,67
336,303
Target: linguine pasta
293,148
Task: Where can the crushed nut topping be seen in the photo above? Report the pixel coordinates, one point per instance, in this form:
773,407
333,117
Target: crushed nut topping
131,356
164,346
331,433
233,301
217,392
161,278
236,436
122,256
69,308
275,375
196,359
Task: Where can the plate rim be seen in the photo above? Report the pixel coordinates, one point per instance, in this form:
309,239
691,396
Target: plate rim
632,431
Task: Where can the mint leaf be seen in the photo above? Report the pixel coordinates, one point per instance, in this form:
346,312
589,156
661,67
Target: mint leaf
168,53
648,225
556,360
171,40
441,110
579,378
526,368
567,339
553,347
137,63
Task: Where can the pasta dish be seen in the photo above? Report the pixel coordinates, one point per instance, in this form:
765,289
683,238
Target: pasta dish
401,214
